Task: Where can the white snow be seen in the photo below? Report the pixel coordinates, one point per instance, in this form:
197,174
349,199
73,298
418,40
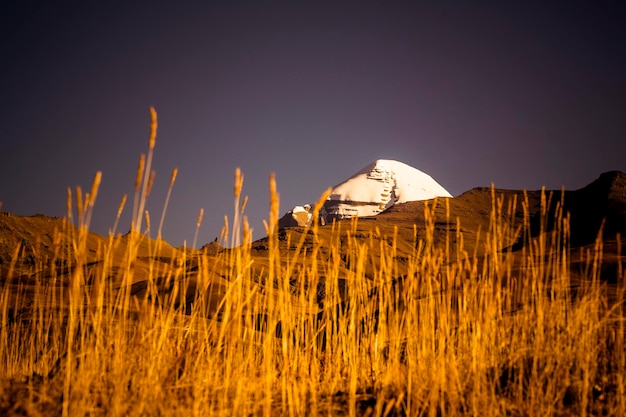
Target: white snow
379,186
372,190
302,215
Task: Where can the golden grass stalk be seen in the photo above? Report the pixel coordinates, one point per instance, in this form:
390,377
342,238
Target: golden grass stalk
198,224
140,172
167,200
147,173
120,209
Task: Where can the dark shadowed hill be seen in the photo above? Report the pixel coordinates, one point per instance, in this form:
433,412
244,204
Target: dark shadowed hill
603,200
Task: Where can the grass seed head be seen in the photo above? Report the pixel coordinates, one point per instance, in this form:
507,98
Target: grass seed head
79,201
147,215
274,202
68,203
224,233
238,182
140,168
199,222
120,208
173,177
153,127
150,182
95,185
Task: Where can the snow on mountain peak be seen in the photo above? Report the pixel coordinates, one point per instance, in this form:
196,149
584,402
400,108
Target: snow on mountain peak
373,189
378,186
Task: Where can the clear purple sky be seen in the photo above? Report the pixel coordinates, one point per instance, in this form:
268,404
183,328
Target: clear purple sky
519,95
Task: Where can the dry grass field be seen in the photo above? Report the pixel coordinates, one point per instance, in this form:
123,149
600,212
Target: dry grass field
493,303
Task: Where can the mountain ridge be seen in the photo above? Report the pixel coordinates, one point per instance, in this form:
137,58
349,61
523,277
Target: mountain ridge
601,203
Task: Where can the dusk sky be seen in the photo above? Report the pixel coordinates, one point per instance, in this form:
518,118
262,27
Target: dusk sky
469,92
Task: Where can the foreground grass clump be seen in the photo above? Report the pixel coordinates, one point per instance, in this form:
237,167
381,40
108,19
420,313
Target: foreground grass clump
337,324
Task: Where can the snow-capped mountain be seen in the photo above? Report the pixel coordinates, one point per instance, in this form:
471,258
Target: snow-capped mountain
378,186
371,190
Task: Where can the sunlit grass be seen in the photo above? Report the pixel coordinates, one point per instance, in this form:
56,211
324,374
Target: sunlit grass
336,327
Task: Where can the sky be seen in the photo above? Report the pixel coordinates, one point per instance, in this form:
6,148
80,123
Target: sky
519,94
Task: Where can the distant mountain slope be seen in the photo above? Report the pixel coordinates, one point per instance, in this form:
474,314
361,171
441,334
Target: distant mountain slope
41,242
603,200
38,237
35,243
463,221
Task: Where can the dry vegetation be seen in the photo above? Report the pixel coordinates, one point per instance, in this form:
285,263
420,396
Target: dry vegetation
344,319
